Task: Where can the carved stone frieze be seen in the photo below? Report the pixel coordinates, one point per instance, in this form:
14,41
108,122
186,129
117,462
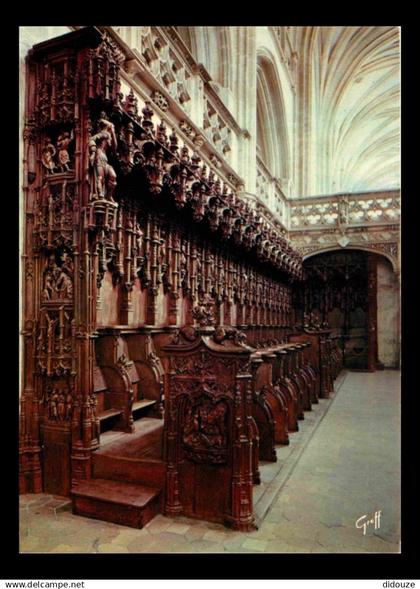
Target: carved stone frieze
346,210
186,128
160,100
215,161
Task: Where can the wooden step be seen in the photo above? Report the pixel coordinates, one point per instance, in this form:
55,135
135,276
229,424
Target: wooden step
142,471
108,413
142,404
122,503
148,434
132,457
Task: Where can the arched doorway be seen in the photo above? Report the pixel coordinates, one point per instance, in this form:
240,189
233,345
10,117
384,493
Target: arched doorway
355,293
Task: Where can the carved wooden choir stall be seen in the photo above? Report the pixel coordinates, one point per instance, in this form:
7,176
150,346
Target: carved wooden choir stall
160,362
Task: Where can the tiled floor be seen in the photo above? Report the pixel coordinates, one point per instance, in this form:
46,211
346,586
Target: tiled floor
343,464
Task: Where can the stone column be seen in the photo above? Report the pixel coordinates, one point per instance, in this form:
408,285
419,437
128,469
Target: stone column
246,99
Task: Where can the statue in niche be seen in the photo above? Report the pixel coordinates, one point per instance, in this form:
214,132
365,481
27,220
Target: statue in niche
162,257
69,403
45,395
61,406
199,273
102,176
138,239
48,155
64,283
63,142
93,402
56,158
53,406
221,276
183,264
58,280
50,278
139,260
210,266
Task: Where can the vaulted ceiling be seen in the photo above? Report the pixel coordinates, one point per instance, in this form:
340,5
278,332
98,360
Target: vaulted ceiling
350,87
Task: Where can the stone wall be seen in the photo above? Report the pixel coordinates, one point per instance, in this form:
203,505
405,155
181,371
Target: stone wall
388,315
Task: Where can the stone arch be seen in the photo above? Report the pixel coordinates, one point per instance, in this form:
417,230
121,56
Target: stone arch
388,256
272,128
381,316
212,47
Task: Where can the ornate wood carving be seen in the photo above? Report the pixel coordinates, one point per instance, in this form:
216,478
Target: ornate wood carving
340,293
142,267
209,427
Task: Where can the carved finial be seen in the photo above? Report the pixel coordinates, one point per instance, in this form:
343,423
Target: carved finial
131,104
195,161
173,141
147,117
204,173
185,158
161,135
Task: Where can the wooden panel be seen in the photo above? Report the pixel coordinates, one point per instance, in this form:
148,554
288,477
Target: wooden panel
56,462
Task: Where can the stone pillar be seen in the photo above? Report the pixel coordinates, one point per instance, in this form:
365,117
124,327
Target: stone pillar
372,318
246,97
